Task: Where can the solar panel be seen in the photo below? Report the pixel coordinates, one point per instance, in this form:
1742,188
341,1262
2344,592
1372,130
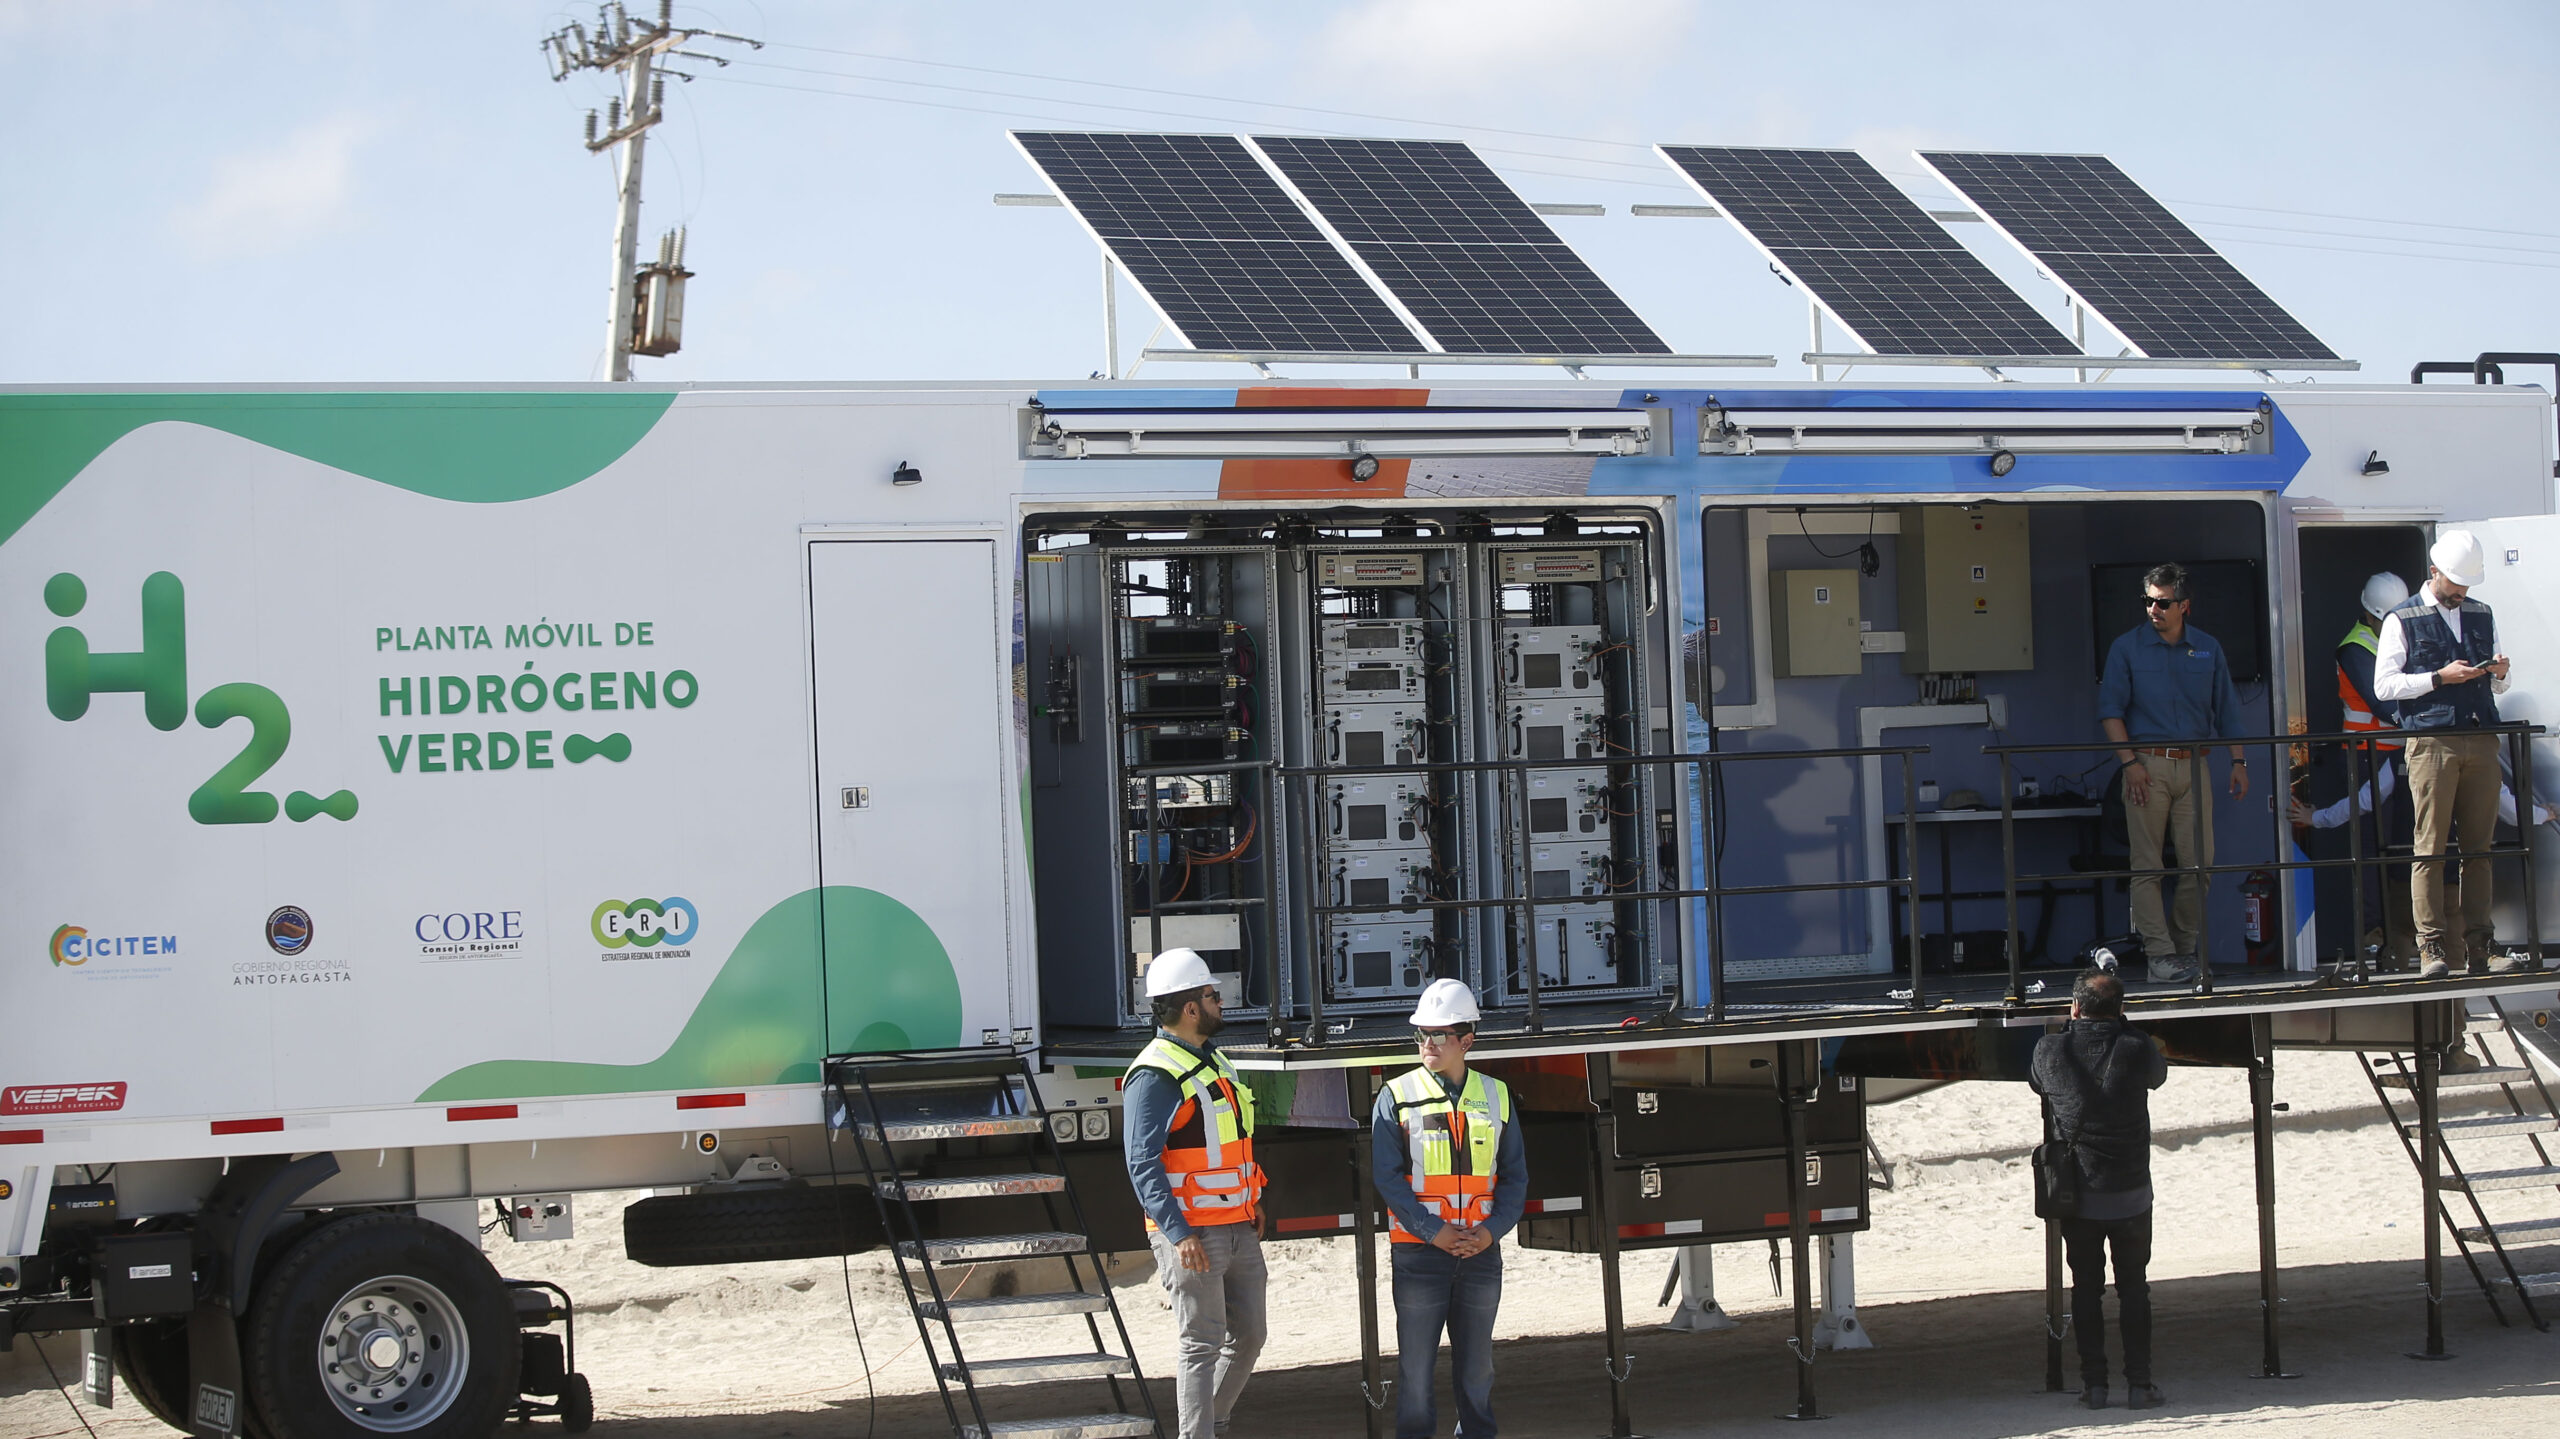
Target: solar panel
1476,268
1888,273
1215,243
2124,256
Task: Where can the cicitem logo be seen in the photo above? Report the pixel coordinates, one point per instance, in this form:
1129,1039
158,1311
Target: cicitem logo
73,945
645,924
62,1099
289,929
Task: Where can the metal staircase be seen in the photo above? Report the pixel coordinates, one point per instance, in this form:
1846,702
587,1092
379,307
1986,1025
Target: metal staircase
2512,1207
940,1135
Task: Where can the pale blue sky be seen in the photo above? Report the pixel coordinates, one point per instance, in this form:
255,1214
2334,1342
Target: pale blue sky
362,191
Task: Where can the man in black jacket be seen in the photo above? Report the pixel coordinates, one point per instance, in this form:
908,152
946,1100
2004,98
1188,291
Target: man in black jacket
2097,1074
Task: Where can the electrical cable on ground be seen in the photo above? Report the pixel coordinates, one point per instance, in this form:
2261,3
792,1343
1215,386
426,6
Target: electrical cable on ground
58,1387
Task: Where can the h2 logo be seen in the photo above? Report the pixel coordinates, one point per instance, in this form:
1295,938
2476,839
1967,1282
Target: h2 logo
73,673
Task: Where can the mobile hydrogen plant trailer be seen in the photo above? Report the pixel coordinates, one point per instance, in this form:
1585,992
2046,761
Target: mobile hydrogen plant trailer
427,803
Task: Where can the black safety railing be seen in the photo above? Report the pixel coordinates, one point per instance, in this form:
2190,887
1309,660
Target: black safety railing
1303,785
2363,747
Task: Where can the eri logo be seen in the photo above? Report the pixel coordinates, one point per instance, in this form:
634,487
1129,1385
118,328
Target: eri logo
644,923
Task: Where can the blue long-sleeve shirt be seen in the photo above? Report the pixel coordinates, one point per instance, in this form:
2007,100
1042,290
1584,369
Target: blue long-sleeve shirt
1392,1166
1148,1099
2169,694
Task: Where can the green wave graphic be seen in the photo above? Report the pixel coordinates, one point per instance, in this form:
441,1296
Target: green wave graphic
889,984
478,447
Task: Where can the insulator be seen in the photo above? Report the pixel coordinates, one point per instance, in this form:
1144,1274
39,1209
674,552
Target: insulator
591,127
613,114
657,94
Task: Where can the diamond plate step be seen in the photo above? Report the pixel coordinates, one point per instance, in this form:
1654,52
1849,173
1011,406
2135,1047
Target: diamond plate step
2494,1126
1012,1306
2465,1078
2532,1176
2538,1285
2521,1233
974,1186
982,1127
992,1246
1089,1426
1042,1367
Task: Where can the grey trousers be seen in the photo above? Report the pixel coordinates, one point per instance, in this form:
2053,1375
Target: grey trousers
1219,1323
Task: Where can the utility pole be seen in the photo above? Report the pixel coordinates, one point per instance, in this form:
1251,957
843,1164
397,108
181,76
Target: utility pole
637,51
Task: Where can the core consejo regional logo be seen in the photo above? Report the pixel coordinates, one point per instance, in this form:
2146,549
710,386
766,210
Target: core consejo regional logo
653,926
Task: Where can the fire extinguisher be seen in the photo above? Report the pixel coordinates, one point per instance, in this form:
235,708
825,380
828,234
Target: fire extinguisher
2258,919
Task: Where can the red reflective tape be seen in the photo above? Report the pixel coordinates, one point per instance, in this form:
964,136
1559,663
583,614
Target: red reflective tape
248,1126
711,1101
1314,1222
1639,1231
481,1111
1554,1206
21,1136
1816,1216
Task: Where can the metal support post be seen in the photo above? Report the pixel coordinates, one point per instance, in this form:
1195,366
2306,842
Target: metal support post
2262,1133
1911,873
1526,930
1693,1270
1814,310
1110,317
2056,1318
1710,781
1839,1327
2526,799
1617,1363
2008,883
1364,1260
2198,774
626,217
2430,1026
1794,1087
2080,338
2360,770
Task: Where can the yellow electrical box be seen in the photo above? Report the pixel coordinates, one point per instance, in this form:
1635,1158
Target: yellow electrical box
1813,622
1967,596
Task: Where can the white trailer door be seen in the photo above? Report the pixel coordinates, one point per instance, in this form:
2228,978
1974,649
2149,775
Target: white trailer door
2522,589
912,690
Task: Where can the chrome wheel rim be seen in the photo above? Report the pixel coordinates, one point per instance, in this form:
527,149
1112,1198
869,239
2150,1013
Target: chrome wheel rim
392,1354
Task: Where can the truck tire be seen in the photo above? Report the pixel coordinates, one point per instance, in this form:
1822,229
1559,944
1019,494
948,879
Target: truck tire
151,1357
751,1226
380,1324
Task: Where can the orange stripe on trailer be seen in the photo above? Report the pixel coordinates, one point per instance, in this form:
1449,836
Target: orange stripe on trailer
21,1136
1309,480
711,1101
481,1111
1311,397
248,1126
1778,1219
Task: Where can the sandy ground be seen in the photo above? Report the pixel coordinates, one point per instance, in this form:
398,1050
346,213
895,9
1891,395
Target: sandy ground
1949,1287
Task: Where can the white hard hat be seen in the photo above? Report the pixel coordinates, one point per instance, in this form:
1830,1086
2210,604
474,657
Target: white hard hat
2384,593
2457,557
1176,971
1446,1001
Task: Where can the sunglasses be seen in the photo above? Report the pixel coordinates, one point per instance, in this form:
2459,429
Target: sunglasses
2153,602
1436,1036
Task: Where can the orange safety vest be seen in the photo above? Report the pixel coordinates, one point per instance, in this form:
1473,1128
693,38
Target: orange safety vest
1451,1145
1208,1152
2355,718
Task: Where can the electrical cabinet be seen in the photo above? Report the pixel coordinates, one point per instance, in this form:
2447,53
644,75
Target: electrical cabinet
1813,623
1967,589
1342,760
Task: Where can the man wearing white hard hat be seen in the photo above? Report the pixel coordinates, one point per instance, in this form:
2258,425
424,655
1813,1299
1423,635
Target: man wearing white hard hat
1187,1134
1454,1173
2392,823
2438,660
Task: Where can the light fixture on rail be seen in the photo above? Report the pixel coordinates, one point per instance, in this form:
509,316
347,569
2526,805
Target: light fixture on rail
906,474
2002,462
1365,468
2375,465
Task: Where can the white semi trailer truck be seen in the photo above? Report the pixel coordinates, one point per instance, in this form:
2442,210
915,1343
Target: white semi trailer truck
422,804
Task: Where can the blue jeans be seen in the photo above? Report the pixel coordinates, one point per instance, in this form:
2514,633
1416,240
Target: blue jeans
1436,1290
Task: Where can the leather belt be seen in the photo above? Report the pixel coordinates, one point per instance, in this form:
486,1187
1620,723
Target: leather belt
2166,753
